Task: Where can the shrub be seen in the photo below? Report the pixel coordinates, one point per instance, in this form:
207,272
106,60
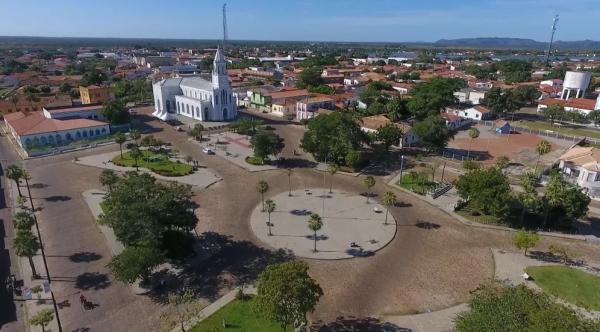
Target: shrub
257,161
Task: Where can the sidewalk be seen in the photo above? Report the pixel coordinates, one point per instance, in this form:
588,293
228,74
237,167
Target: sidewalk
441,320
33,302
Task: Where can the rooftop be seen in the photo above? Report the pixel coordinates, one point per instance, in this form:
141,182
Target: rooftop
586,157
37,123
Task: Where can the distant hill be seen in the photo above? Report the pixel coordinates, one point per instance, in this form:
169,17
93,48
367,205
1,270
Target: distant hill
498,42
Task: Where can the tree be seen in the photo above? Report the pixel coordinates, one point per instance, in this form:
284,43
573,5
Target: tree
310,76
332,169
433,133
486,190
542,148
270,207
144,213
496,307
136,154
397,109
389,135
262,187
431,97
529,197
23,220
369,182
502,162
65,88
526,94
181,301
115,112
42,318
389,200
563,201
332,137
120,138
27,245
196,131
135,135
315,223
15,173
266,143
134,263
353,159
286,293
525,239
108,178
594,117
554,112
473,134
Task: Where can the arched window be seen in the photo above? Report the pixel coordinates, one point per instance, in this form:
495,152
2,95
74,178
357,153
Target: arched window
205,114
224,114
84,133
97,132
78,135
43,140
103,130
187,108
28,143
197,111
178,108
91,133
216,99
168,106
51,139
58,138
68,137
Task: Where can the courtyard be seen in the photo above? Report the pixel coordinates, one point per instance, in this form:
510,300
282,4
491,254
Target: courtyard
351,227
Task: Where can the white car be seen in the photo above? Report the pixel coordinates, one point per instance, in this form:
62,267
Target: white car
208,151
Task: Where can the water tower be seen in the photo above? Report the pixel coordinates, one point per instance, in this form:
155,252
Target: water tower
577,82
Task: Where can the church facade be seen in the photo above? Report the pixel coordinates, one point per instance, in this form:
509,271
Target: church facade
196,97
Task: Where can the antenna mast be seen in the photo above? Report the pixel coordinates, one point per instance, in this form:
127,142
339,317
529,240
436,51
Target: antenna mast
555,21
224,25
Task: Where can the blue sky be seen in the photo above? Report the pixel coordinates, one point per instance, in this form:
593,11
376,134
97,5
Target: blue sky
318,20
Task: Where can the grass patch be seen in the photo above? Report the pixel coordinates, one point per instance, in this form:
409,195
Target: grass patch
158,163
569,284
239,316
477,217
416,182
256,161
562,129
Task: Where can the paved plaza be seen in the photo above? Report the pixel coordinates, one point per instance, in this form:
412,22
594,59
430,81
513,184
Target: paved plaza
351,227
202,177
233,148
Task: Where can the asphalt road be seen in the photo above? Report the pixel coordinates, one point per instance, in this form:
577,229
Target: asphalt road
11,316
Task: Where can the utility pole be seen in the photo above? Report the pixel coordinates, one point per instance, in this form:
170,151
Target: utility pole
554,23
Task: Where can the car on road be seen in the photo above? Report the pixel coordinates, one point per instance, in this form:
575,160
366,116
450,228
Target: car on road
208,151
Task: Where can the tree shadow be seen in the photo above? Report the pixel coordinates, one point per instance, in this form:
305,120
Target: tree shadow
296,163
84,257
427,225
57,198
321,237
301,212
38,185
369,194
230,263
92,280
359,252
402,204
353,324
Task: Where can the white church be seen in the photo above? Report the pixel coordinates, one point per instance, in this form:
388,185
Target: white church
195,97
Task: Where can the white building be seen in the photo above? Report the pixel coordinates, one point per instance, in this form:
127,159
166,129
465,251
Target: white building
575,82
470,96
581,165
476,113
196,97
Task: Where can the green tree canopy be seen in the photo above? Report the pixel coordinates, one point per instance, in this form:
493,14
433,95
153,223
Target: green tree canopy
431,97
432,132
135,262
115,112
23,220
525,239
332,136
266,143
389,135
310,76
498,308
486,190
286,293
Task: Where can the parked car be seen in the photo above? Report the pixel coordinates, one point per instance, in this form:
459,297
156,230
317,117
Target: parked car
208,151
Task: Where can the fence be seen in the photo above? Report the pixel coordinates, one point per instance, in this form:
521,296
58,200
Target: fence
548,133
461,155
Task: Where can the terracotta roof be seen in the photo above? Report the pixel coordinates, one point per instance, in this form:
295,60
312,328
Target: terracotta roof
287,93
37,123
482,109
450,117
586,157
580,103
318,99
74,109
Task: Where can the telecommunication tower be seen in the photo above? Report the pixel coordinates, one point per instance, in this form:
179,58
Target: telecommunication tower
555,21
224,25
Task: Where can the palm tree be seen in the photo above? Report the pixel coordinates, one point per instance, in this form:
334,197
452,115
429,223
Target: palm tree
120,138
27,245
315,223
473,133
542,148
23,220
270,206
15,173
332,169
135,135
196,131
389,199
262,187
369,183
136,154
289,173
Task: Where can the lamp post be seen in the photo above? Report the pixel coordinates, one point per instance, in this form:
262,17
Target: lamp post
401,168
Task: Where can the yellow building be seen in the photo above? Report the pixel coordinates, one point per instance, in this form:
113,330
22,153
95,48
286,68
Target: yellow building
94,94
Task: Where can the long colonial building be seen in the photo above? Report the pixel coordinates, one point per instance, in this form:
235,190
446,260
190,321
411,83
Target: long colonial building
195,97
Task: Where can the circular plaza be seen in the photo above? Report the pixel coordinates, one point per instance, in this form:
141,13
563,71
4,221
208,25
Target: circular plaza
351,227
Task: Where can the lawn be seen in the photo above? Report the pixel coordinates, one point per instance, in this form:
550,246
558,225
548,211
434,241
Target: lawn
416,182
239,317
562,129
572,285
158,163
